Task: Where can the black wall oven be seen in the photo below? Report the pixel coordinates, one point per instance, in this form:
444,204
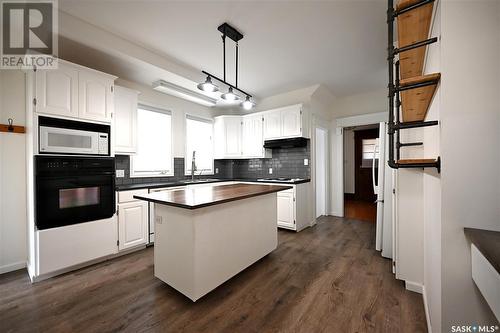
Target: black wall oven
71,190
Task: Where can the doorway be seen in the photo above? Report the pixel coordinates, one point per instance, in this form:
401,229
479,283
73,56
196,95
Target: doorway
321,139
360,152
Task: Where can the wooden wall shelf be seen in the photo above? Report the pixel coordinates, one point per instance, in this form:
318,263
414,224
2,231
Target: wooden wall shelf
418,161
15,129
415,102
413,26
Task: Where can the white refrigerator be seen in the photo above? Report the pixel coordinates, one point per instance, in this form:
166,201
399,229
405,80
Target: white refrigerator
382,177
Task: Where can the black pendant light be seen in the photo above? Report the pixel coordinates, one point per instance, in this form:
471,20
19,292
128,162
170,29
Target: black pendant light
230,95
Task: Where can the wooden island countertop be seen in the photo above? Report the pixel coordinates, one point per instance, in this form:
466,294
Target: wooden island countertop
198,197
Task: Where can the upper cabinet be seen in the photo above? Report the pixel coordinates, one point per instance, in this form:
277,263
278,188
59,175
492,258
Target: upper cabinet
95,96
227,136
239,137
125,120
272,125
74,91
286,122
57,91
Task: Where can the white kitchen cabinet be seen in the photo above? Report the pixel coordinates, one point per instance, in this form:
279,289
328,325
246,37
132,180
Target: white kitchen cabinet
286,122
286,209
125,120
291,122
272,125
74,91
227,136
253,137
239,137
132,220
95,96
56,91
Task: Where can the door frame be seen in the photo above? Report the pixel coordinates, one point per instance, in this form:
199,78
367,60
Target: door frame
326,159
337,183
319,122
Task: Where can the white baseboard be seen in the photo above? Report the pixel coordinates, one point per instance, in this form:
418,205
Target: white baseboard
12,267
413,286
336,214
427,312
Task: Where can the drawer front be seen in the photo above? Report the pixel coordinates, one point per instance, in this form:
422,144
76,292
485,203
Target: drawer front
128,196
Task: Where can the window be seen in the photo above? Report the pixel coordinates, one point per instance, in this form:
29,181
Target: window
369,149
199,139
154,143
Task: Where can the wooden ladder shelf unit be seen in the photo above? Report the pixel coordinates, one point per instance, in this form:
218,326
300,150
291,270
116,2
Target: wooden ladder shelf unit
409,88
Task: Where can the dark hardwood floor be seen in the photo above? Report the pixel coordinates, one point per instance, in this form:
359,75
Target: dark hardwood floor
324,279
360,210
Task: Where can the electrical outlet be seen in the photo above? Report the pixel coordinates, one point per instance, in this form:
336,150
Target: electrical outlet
216,170
158,220
306,161
270,171
120,173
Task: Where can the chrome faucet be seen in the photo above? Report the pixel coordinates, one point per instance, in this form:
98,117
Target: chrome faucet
193,165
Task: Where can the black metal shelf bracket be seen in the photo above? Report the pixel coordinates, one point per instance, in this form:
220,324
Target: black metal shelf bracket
394,125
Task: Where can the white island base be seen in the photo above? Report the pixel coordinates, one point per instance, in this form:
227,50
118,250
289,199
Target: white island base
196,250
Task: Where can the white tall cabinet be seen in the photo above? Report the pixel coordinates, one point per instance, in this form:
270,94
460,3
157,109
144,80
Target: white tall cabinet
74,91
125,120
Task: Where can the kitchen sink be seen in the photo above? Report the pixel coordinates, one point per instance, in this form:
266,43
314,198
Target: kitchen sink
189,181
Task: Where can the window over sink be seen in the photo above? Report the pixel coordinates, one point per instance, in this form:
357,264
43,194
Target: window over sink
199,138
154,143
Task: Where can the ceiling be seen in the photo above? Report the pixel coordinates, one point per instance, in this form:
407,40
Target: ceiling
287,45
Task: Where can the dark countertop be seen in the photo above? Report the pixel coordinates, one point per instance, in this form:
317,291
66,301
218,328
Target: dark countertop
199,197
488,242
181,183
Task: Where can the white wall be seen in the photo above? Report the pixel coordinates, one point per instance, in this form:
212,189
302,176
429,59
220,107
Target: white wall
432,191
12,173
349,162
470,133
179,108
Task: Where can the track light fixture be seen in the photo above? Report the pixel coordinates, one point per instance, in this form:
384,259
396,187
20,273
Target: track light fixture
208,86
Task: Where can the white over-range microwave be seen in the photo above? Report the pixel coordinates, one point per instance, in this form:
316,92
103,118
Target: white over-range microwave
62,136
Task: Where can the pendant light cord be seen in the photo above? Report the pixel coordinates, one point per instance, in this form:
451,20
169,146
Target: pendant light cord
224,54
236,64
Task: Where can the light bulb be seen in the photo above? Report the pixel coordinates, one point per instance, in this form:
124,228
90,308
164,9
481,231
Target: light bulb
247,104
230,96
208,86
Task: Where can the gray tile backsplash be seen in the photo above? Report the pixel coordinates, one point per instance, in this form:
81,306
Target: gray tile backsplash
286,162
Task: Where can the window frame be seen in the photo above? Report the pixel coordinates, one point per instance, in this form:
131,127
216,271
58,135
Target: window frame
202,119
170,173
375,152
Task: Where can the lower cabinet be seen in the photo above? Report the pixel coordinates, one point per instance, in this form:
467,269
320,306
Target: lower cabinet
286,209
132,220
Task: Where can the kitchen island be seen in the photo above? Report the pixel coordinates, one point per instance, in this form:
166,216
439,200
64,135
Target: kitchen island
206,235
